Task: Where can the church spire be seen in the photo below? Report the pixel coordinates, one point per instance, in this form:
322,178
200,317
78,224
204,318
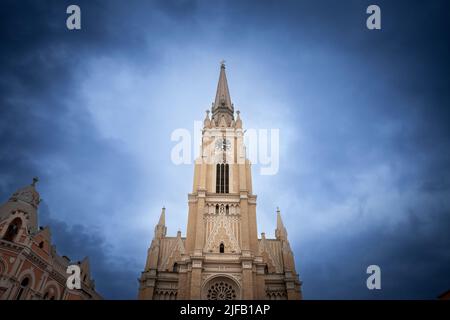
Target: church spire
222,104
280,232
223,93
160,228
207,121
162,218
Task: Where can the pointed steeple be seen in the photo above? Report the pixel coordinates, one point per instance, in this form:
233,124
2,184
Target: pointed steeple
222,104
238,120
223,93
279,221
160,229
162,217
280,231
207,121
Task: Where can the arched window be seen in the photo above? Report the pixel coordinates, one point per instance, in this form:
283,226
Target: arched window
175,267
41,244
221,248
51,294
227,209
218,178
13,230
222,178
226,178
266,269
23,286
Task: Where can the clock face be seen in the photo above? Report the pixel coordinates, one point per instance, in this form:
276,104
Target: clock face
223,144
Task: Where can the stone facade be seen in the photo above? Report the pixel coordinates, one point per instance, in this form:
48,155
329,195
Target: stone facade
30,268
221,256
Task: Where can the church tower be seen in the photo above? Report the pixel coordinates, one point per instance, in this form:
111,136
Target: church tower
221,256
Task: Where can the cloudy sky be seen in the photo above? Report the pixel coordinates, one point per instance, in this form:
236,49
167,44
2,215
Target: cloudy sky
364,117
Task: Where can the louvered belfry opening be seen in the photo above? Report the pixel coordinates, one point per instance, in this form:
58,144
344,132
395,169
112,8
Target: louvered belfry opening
222,178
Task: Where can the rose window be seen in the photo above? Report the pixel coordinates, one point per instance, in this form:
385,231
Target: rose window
221,291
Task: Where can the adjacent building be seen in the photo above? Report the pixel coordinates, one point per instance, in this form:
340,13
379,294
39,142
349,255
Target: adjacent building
30,268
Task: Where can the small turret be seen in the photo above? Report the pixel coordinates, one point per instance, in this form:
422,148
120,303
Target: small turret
160,229
26,200
207,121
280,231
238,120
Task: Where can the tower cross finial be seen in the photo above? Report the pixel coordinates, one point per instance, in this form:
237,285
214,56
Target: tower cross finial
35,180
222,63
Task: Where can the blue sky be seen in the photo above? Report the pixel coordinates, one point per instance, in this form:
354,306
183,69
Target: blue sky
363,118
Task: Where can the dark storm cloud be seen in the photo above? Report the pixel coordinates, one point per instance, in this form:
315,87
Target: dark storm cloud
388,109
411,136
413,258
378,99
45,131
113,275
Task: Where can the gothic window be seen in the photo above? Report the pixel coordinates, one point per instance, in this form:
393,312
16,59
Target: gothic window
13,230
175,267
41,244
222,178
221,248
226,178
23,286
227,209
217,178
266,269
